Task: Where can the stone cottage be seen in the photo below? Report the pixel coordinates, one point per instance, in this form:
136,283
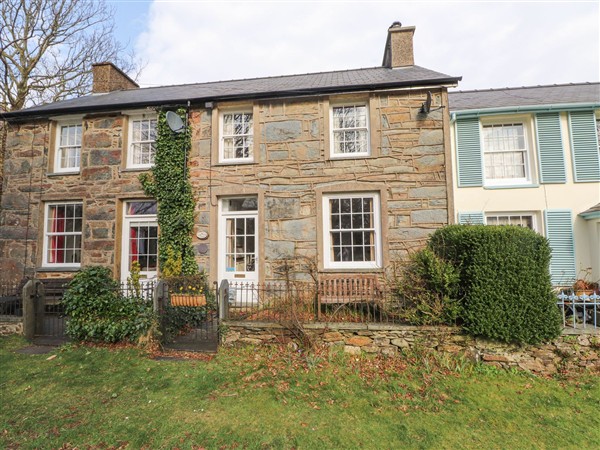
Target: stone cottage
346,171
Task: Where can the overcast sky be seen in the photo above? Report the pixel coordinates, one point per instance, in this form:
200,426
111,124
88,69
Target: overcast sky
489,44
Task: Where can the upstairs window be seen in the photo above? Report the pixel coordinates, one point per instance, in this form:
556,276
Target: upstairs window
68,148
505,154
237,137
62,234
142,143
349,131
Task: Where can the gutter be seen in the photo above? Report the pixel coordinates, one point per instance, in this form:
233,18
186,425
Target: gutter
474,113
590,215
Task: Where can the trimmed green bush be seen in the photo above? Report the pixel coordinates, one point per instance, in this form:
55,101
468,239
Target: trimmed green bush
505,282
428,290
98,312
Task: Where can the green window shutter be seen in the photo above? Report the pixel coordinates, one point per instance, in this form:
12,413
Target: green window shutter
470,218
550,148
584,146
559,232
469,159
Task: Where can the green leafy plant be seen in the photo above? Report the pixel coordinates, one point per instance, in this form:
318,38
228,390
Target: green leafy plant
133,280
427,287
98,312
169,183
504,281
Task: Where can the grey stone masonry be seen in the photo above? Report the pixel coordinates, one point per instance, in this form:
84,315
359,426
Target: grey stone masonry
292,164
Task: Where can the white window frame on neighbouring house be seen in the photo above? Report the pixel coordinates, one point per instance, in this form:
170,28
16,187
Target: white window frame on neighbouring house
236,142
349,130
63,234
520,219
67,155
356,245
141,141
502,148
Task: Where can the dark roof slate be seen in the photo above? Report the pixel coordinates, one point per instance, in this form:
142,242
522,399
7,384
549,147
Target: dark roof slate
525,96
292,85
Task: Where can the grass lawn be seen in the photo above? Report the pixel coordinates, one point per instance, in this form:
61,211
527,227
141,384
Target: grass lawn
91,397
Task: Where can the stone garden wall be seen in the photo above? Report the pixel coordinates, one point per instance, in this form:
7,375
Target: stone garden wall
10,326
571,352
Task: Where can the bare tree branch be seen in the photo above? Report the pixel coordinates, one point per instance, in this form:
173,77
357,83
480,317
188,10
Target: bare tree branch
47,48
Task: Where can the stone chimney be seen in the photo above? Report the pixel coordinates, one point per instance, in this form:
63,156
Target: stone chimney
399,46
107,78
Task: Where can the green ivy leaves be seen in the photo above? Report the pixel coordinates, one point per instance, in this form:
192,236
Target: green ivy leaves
169,184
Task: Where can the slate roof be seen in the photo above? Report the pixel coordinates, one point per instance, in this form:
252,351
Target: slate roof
525,96
255,88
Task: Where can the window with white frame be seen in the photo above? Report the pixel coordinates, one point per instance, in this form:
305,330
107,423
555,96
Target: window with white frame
62,234
526,220
505,154
352,230
349,131
236,137
68,148
142,142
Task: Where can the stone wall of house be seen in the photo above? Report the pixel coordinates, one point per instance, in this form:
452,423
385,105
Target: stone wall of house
569,352
292,163
29,183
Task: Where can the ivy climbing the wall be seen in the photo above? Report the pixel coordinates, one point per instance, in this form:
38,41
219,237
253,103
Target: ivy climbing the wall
169,183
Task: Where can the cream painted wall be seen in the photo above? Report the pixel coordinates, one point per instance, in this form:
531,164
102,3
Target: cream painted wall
536,198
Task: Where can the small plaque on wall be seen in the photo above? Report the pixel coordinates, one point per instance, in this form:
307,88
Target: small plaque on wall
202,235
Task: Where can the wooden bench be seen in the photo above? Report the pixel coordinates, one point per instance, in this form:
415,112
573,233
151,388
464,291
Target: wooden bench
336,289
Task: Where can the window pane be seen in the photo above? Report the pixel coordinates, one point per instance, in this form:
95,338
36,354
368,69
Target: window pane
241,204
237,136
355,216
250,226
142,208
350,132
505,151
142,146
63,234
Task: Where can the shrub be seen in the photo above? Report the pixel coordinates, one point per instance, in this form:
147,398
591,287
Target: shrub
98,312
504,281
428,288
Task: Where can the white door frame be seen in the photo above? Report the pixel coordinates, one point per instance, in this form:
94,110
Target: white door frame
128,220
230,273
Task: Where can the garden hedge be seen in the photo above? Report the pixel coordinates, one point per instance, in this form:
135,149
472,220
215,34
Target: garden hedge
505,282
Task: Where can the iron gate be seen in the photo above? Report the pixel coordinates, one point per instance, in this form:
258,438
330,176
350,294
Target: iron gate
188,322
50,319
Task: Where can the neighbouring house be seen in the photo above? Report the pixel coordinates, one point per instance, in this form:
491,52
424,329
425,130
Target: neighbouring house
344,171
529,156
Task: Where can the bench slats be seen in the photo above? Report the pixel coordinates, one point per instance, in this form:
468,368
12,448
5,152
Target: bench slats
349,289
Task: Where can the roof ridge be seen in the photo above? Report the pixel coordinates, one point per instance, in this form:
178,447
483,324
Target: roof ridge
583,83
